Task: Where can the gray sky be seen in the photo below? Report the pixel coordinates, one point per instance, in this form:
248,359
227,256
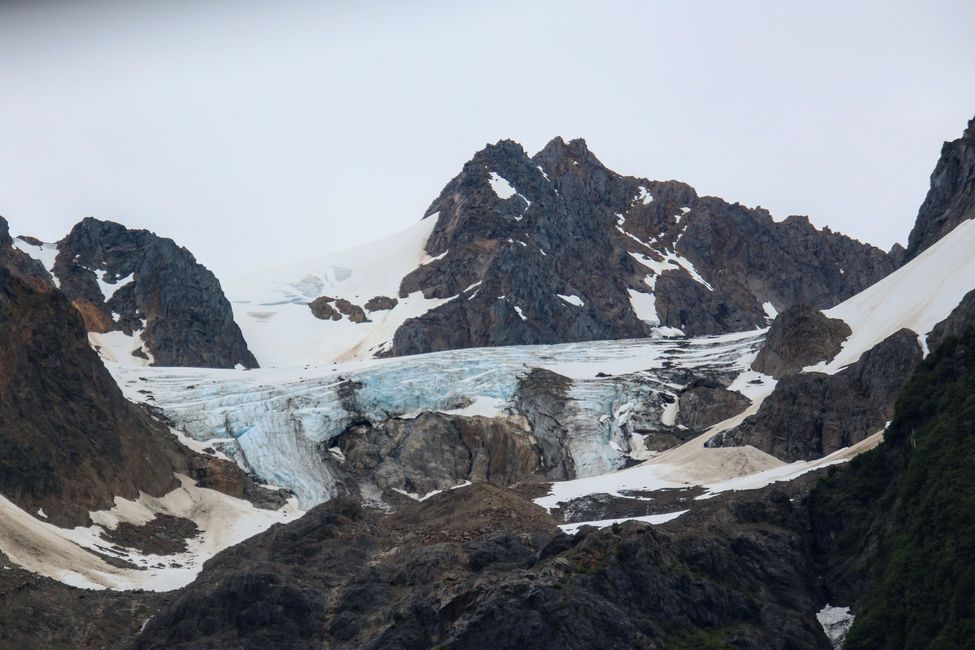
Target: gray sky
257,133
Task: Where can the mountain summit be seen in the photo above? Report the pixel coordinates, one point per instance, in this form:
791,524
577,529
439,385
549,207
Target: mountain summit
554,248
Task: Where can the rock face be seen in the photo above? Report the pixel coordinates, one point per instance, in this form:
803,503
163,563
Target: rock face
477,567
69,441
800,336
951,198
811,415
134,281
704,404
435,451
558,248
961,318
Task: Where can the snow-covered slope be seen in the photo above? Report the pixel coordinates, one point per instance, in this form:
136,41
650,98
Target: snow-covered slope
917,296
272,310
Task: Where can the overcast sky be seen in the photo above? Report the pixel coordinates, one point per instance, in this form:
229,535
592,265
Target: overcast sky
257,133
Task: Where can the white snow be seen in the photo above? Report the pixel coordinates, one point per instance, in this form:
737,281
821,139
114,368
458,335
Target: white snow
656,520
271,306
770,311
521,314
108,289
671,262
644,306
644,196
836,622
45,254
572,300
916,296
539,168
501,186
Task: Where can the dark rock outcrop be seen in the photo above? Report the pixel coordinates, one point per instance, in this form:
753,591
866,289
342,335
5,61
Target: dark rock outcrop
477,567
515,233
800,336
69,441
159,289
811,415
959,320
705,404
951,198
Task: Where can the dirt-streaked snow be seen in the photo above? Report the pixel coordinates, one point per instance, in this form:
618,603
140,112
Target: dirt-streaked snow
69,555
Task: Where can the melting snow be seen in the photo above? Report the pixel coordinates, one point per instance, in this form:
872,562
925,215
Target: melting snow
770,311
521,314
572,300
644,196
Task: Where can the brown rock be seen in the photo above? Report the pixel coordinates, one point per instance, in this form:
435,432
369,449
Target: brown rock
96,320
321,308
354,312
381,303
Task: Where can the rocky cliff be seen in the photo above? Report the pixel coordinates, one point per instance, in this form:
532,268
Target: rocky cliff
557,247
69,441
148,287
951,198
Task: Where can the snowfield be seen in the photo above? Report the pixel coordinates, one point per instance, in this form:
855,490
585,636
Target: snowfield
917,296
271,307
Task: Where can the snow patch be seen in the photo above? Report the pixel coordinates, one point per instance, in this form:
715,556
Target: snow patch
573,300
501,186
836,622
644,306
107,288
644,196
45,254
656,520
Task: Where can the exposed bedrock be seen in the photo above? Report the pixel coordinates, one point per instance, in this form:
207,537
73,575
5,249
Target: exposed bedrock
811,415
153,286
800,336
434,451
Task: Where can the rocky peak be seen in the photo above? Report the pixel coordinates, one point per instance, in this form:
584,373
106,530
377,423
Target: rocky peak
559,248
951,198
150,288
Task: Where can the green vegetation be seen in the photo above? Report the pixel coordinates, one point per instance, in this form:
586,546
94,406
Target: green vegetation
908,510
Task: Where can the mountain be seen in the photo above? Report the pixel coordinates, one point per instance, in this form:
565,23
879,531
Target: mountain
70,441
553,248
144,299
782,487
